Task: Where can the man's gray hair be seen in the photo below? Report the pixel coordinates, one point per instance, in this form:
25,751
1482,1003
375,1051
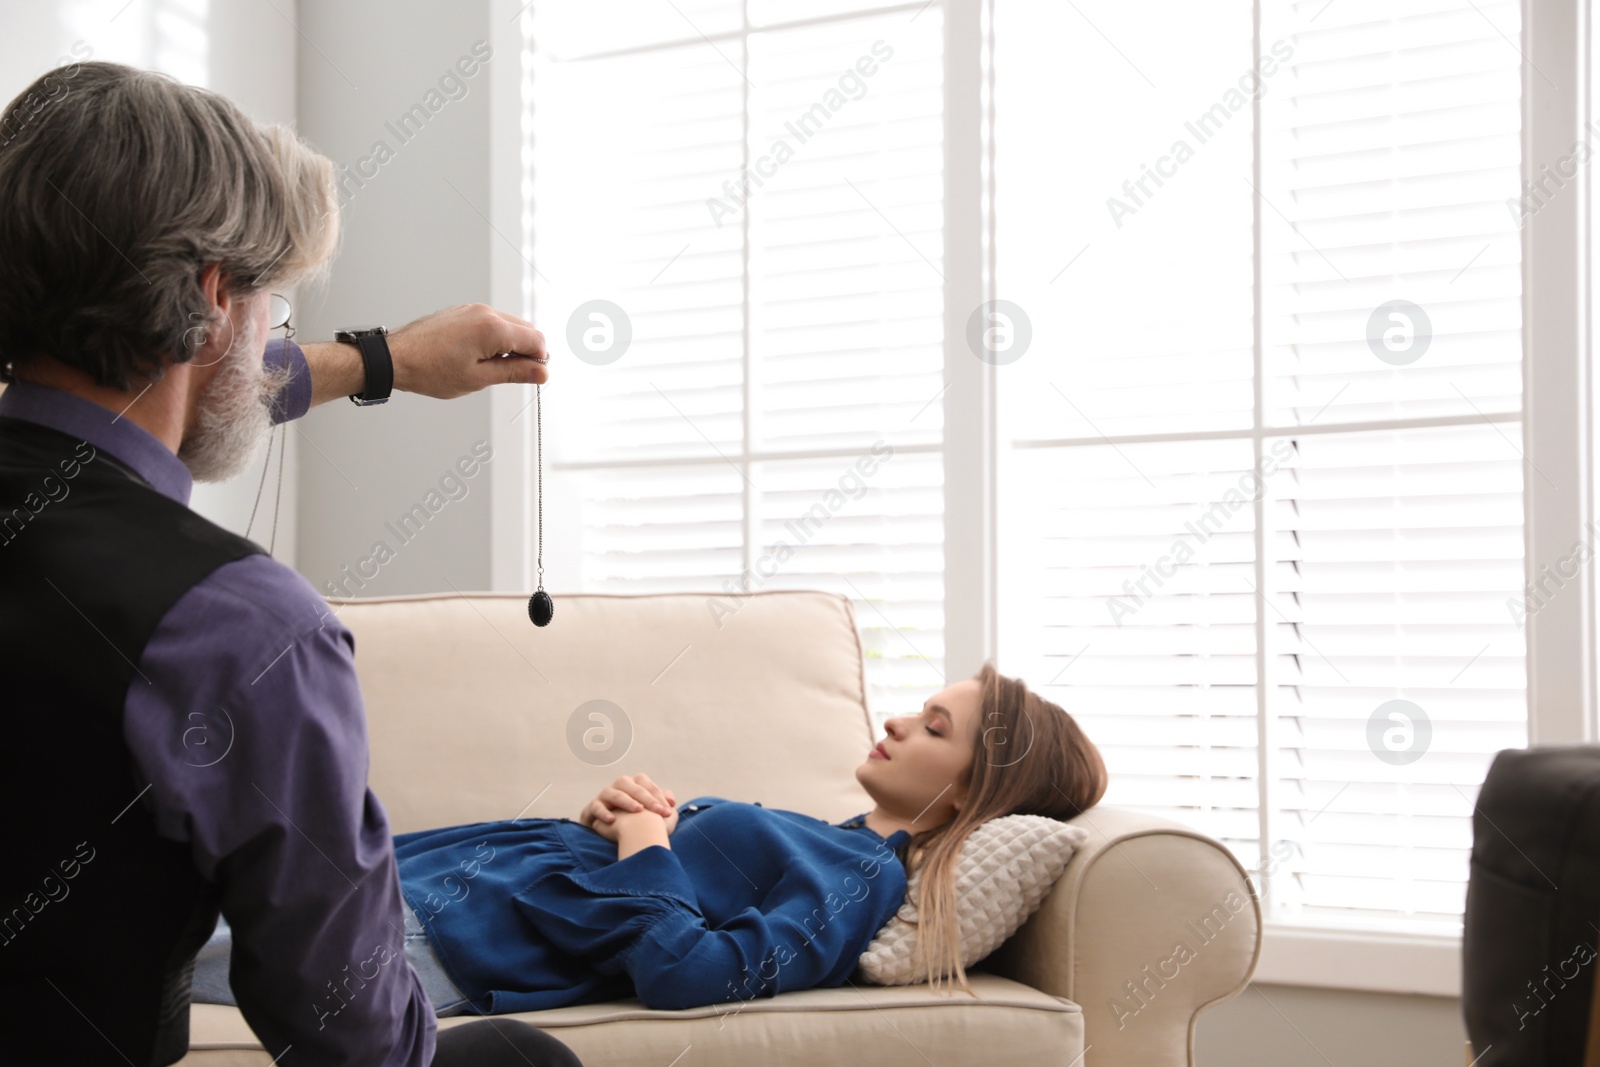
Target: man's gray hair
116,194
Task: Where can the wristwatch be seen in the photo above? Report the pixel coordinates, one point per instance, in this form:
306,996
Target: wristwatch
373,343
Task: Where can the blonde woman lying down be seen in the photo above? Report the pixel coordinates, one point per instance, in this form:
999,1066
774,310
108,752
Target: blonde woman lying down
717,901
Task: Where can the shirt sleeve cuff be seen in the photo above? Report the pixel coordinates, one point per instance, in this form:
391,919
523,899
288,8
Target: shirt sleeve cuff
295,399
598,914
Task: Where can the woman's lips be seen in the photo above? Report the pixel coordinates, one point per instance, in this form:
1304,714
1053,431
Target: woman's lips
878,752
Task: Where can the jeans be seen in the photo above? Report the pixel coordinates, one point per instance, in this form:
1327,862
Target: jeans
211,969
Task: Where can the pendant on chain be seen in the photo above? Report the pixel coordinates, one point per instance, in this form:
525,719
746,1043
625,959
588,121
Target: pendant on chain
541,609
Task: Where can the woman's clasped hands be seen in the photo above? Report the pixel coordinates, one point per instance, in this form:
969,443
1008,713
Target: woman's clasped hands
631,798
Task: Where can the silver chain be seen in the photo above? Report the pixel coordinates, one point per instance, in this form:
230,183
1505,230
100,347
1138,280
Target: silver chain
277,502
538,418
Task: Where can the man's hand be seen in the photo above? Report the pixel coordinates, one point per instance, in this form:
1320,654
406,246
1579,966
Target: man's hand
629,794
444,355
458,351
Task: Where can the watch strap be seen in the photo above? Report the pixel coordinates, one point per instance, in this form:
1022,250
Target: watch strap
373,345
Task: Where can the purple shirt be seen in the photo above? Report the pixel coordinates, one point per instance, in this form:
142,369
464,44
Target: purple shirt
268,783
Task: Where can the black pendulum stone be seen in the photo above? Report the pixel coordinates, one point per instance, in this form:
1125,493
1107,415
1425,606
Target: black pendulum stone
541,609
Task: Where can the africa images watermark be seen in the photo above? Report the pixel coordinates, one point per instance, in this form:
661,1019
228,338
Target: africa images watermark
806,125
1142,990
469,869
53,888
384,954
353,982
55,89
453,85
599,732
1539,592
761,981
804,527
1581,956
1251,484
453,485
1251,86
53,490
1540,190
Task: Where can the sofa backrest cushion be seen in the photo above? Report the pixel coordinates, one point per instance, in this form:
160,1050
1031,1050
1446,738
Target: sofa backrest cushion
475,714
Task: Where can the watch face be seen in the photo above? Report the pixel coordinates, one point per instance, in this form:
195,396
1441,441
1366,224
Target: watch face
362,329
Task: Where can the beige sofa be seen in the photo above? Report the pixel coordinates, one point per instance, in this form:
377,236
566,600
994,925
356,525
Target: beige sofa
475,714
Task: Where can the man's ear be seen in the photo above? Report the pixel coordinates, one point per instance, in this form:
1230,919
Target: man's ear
209,334
211,281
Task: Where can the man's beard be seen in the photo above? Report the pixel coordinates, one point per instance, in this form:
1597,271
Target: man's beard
234,411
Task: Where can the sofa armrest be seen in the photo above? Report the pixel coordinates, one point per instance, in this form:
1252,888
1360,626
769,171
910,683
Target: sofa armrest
1150,924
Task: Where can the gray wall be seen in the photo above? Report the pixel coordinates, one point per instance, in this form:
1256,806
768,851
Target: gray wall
412,244
1294,1026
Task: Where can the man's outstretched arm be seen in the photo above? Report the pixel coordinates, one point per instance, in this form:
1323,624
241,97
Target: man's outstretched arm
444,355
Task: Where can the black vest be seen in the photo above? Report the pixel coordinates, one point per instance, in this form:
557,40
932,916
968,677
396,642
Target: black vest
100,919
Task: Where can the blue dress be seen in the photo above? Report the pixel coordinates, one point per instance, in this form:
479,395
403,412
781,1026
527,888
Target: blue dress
529,914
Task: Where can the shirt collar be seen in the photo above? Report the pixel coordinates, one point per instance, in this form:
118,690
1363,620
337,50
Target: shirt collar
859,822
106,430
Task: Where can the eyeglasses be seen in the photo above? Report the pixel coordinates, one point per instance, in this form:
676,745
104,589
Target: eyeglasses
278,311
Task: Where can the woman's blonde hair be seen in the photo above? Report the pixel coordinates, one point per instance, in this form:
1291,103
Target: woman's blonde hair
118,187
1029,758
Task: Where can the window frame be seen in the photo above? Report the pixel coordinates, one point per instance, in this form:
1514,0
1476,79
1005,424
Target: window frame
1557,387
1556,418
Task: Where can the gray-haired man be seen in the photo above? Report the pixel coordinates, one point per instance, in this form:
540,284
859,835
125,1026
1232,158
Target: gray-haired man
144,225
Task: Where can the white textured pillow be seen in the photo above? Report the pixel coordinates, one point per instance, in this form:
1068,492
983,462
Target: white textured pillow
1006,867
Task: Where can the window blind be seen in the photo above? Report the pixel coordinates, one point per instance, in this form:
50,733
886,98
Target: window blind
1238,339
751,195
1395,554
